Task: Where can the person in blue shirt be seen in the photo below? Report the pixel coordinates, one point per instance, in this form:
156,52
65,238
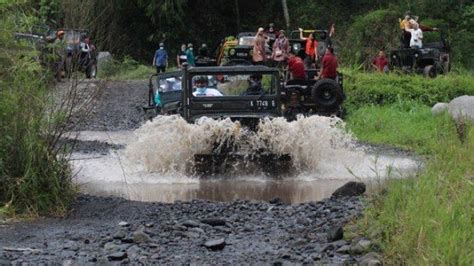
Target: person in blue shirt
160,60
190,55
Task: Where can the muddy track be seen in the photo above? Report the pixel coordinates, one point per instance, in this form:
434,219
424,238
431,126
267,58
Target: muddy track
113,230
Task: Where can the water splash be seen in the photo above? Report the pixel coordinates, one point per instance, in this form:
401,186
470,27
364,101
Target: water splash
168,143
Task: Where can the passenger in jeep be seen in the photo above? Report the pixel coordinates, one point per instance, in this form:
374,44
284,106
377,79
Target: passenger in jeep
311,49
202,90
328,66
255,85
296,69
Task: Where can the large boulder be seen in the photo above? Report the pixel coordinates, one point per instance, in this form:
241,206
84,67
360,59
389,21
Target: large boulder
462,108
350,189
103,57
439,108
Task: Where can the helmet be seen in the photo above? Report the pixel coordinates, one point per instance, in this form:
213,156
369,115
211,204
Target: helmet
59,33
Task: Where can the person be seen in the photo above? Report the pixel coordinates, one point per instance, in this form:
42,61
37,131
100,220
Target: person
255,85
329,65
181,57
203,51
160,60
259,52
406,35
280,48
271,34
202,90
190,55
296,68
58,54
416,40
380,63
311,48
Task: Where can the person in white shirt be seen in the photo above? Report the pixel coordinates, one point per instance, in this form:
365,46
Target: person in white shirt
202,90
416,40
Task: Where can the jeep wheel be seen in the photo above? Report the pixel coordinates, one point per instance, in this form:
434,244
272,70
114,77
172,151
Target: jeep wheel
430,71
327,93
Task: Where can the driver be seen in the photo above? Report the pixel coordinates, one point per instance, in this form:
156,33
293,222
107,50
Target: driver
202,90
255,85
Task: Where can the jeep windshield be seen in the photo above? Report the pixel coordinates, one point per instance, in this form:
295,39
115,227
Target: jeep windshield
247,40
218,85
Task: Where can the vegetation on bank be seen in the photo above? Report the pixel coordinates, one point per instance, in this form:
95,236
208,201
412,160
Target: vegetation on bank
125,69
426,219
34,177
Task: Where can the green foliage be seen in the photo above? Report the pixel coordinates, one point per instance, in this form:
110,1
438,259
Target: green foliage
127,69
426,219
379,89
368,34
33,177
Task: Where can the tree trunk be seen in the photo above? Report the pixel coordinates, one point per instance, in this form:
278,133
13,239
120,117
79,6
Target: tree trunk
286,14
237,14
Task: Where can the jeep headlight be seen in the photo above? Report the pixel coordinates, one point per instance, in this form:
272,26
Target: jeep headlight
394,56
232,51
416,55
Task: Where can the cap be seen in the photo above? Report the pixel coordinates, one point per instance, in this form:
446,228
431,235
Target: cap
190,45
162,44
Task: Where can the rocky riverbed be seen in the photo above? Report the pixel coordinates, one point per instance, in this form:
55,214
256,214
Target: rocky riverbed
115,230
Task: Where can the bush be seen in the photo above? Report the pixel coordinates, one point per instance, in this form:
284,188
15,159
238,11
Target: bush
379,89
34,178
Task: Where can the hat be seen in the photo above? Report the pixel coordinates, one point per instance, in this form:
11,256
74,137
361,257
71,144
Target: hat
162,44
190,45
282,31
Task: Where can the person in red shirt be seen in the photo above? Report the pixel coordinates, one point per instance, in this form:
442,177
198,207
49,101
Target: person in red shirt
311,48
380,63
296,67
328,66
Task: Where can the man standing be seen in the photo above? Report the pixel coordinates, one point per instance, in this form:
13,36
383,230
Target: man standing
160,60
416,35
259,54
311,48
280,48
181,57
190,55
329,65
380,63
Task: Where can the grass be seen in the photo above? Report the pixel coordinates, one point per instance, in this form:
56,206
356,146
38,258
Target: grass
426,219
126,69
406,124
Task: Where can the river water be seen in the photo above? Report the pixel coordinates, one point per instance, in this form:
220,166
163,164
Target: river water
155,161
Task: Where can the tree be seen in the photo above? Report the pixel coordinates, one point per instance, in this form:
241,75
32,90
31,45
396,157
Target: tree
286,14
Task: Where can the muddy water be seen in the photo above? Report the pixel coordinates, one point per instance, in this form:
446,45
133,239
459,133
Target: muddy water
155,163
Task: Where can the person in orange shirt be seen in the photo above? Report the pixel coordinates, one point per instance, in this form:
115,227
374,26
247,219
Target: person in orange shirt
311,48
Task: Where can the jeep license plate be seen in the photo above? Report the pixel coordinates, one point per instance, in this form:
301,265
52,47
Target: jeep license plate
242,54
262,103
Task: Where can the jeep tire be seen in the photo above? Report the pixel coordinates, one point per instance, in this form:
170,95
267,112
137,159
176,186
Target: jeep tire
327,93
430,71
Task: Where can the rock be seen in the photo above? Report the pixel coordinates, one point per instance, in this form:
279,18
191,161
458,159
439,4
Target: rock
140,236
110,246
120,235
370,259
216,244
462,108
350,189
197,230
103,57
149,225
124,224
344,249
65,263
361,246
439,108
276,201
117,256
335,233
4,262
214,221
191,223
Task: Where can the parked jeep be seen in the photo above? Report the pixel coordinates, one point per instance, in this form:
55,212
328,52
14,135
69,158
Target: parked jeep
431,60
241,54
246,94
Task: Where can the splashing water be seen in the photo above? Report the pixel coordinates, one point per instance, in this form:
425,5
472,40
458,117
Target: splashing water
168,143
